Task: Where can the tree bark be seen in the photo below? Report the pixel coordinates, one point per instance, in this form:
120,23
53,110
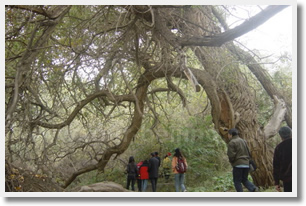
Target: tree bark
263,78
232,100
237,106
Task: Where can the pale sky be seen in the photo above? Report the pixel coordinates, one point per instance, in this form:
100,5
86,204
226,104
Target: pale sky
274,36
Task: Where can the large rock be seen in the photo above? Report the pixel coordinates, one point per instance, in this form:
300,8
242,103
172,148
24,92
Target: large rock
103,187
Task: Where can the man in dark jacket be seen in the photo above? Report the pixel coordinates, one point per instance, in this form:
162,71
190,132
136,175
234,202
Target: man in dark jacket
239,158
153,171
157,157
282,161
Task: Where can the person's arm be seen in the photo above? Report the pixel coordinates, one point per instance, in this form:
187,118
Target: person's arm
231,153
185,160
174,163
127,169
150,165
136,169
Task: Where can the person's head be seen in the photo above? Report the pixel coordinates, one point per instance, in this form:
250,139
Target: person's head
152,154
285,132
232,132
177,152
131,159
167,155
156,154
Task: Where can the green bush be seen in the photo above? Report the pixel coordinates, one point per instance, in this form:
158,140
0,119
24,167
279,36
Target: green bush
223,183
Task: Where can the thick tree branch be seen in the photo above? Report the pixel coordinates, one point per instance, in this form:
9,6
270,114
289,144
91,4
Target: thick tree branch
256,69
276,119
141,94
128,136
83,103
158,41
231,34
175,88
262,77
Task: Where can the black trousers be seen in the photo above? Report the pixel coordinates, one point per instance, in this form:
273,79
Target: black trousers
130,180
153,183
240,176
287,186
139,184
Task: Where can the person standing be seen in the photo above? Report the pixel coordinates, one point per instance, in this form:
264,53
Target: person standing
144,175
157,157
179,176
153,171
239,158
166,166
282,161
132,173
138,176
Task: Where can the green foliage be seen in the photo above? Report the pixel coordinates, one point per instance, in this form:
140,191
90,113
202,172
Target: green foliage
220,182
283,80
69,68
223,183
203,148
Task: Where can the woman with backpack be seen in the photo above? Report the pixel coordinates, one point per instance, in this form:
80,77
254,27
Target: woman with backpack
132,173
179,167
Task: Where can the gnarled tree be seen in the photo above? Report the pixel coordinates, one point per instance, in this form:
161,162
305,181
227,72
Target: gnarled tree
88,65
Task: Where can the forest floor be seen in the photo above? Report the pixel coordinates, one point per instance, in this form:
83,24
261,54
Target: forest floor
19,180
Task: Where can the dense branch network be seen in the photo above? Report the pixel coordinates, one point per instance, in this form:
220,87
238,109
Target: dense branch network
85,78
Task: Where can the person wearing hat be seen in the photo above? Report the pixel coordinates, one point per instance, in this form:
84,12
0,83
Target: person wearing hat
166,166
239,158
282,161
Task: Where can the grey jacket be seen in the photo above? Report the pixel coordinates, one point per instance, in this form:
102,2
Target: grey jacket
237,152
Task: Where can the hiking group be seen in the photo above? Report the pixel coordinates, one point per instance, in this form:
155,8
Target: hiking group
238,154
147,170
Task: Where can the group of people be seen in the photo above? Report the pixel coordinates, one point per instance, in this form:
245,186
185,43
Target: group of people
149,170
239,157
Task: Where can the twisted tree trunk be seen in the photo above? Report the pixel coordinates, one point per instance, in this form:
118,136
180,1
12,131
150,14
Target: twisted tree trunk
238,109
232,100
235,104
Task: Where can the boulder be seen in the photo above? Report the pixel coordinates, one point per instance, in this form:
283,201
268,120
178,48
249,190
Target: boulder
103,187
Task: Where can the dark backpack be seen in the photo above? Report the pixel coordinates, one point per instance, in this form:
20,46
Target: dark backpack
181,166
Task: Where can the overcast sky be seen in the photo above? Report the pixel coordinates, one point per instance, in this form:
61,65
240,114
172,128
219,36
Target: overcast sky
274,36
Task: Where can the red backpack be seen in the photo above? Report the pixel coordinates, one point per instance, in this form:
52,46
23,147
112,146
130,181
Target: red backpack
181,166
